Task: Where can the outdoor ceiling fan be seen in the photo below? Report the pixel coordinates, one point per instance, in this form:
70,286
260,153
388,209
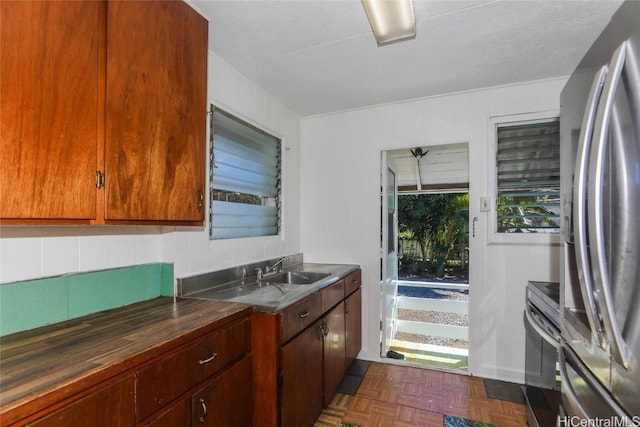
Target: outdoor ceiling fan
418,153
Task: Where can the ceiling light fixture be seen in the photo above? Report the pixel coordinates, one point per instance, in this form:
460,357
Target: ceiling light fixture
391,20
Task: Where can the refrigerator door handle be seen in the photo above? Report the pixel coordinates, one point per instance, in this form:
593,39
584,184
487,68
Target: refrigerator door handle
580,208
596,208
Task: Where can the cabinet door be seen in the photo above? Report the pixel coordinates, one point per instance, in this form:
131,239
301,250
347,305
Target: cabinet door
177,415
111,406
49,73
301,393
353,326
334,351
227,400
156,111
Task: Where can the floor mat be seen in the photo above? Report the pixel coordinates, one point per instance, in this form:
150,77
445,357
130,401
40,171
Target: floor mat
353,378
502,390
451,421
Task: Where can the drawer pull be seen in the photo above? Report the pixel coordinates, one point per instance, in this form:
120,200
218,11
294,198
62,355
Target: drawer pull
204,410
304,314
205,361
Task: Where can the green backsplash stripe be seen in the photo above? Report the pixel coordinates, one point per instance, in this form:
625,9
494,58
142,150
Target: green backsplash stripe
27,305
167,281
30,304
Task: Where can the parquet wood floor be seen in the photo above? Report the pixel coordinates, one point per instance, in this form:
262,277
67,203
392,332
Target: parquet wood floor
404,396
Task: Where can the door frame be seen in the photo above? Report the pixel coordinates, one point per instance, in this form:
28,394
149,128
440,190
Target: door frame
388,253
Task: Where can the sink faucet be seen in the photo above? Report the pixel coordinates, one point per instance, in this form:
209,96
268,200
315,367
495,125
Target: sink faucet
275,266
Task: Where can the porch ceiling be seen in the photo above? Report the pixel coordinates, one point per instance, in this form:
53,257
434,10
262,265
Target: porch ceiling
440,168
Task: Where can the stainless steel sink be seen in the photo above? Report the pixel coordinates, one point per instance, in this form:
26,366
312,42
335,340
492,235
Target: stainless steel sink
295,277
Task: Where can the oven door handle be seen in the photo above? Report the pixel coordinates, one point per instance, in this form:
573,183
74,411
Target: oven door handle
551,339
567,358
568,393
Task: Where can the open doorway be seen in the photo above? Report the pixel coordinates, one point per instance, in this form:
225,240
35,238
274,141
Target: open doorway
425,286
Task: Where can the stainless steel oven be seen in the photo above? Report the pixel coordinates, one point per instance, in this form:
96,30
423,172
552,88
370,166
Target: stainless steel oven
542,385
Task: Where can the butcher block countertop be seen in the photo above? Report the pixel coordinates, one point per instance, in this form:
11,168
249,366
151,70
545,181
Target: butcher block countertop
48,364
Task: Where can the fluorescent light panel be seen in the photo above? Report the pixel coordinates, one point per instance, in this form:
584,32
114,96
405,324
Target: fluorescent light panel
391,20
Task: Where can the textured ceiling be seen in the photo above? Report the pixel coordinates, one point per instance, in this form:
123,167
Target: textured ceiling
319,56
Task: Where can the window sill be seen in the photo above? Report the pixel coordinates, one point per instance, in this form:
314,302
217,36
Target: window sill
525,239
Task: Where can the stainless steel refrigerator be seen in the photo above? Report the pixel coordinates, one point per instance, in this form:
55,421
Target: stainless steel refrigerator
600,190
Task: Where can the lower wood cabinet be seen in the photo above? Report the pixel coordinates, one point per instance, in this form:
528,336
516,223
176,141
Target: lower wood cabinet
178,414
163,381
222,361
204,381
301,375
353,326
334,366
227,400
109,406
309,347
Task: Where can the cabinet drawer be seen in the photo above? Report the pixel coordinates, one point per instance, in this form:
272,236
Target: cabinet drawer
111,406
166,379
300,315
331,295
352,282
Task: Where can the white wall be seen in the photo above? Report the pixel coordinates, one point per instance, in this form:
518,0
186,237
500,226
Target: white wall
331,209
191,250
33,252
340,163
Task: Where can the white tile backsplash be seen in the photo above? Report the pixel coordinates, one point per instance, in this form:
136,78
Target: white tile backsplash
122,249
60,254
94,252
20,258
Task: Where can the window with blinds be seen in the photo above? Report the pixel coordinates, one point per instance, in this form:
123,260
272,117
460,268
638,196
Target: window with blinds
245,169
528,177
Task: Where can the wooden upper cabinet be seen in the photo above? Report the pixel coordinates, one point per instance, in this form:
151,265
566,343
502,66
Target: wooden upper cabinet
156,111
49,109
116,87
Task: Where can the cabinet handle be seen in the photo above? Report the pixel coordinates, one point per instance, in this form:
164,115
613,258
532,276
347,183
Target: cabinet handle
346,307
321,329
200,198
303,315
205,361
204,410
325,328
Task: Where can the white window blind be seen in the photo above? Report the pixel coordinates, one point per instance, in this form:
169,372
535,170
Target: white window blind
245,169
528,177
